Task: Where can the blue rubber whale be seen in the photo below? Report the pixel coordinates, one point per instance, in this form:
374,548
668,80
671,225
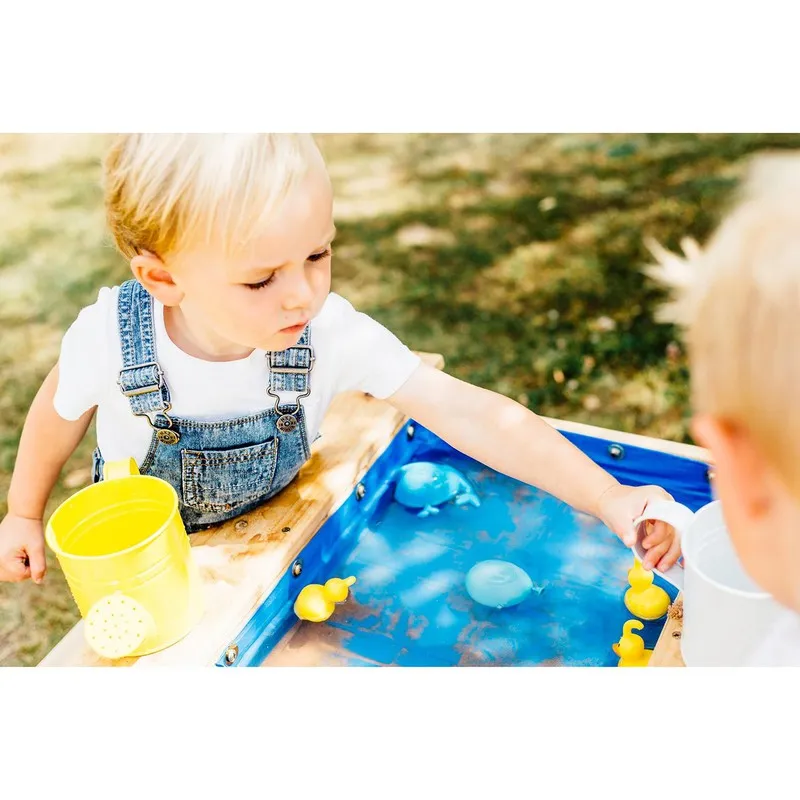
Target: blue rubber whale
499,584
425,486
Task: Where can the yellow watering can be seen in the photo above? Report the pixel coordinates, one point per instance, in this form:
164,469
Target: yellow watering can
125,554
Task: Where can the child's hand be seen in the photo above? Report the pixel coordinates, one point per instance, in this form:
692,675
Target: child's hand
620,505
21,549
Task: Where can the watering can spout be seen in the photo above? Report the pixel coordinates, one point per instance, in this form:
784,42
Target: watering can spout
117,625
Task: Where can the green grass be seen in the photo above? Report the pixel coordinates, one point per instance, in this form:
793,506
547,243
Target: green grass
517,256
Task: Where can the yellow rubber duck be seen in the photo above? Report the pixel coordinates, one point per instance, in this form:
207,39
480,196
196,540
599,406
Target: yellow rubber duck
630,648
644,600
316,603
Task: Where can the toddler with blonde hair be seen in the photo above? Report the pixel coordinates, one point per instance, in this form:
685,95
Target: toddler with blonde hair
214,364
739,299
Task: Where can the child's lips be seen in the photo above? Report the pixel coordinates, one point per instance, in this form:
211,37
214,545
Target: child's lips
294,328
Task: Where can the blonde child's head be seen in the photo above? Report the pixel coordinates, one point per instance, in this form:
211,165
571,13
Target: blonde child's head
166,191
742,313
231,232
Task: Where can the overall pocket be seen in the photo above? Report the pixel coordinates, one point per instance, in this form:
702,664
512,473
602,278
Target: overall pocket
223,480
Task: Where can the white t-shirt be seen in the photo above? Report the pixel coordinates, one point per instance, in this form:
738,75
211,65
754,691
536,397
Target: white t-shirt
780,646
352,351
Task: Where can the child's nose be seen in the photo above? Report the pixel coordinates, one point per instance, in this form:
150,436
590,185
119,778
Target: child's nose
299,293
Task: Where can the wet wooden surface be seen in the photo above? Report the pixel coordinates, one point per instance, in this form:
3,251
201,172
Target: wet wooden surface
241,560
667,652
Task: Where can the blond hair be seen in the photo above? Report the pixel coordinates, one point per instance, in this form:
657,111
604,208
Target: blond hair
741,306
165,191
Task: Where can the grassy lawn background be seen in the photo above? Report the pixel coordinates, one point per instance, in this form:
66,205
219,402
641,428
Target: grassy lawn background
516,256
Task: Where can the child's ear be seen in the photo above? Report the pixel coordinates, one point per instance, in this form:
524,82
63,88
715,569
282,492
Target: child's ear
741,472
151,272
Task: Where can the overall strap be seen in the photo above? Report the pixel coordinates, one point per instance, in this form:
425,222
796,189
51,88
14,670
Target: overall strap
141,378
289,371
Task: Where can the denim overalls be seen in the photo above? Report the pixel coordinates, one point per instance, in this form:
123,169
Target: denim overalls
218,469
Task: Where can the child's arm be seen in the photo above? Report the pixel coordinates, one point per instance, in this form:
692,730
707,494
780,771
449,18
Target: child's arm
507,437
46,443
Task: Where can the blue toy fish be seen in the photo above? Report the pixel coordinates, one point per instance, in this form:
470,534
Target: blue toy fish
426,486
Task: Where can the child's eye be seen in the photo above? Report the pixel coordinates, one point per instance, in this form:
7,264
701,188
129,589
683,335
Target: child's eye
319,256
314,257
261,284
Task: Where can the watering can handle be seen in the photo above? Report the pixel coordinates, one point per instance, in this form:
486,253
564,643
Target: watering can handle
123,468
674,514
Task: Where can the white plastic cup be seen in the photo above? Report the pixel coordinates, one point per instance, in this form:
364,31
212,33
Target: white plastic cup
725,613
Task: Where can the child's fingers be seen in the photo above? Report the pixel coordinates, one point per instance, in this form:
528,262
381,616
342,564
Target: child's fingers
656,534
36,561
672,555
14,570
654,554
